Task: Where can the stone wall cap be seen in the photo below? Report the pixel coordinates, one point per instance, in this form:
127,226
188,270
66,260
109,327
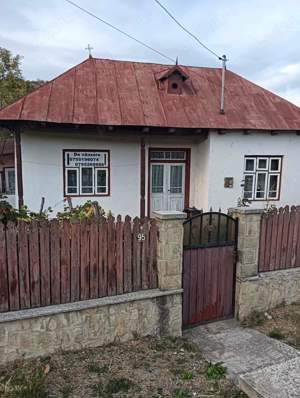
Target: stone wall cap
84,305
245,210
169,215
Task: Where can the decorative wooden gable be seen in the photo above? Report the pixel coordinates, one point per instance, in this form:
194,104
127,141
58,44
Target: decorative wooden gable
172,80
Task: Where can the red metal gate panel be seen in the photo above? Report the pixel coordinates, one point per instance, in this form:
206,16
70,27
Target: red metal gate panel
208,268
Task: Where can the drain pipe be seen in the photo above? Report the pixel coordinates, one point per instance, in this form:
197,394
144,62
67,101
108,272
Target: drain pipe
224,60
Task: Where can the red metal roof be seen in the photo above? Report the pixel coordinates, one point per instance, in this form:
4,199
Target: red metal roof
106,92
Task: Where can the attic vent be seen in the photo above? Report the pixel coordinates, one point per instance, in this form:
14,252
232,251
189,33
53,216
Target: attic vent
173,80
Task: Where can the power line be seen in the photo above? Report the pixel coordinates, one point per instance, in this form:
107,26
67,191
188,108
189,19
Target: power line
119,30
186,30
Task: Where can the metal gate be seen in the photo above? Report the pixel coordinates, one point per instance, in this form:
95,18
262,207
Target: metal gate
209,257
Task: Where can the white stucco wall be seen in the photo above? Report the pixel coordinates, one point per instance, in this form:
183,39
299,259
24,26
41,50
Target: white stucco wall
42,163
42,168
226,159
212,159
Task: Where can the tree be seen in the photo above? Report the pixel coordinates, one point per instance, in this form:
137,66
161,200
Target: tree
12,83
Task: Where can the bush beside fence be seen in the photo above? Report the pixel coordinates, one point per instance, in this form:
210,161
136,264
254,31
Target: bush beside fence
44,263
280,239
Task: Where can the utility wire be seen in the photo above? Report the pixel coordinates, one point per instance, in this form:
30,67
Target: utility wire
186,30
120,31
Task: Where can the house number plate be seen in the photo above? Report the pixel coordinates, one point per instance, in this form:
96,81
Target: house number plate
141,237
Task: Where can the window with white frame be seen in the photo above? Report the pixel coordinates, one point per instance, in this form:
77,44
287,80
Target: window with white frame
9,181
86,172
262,175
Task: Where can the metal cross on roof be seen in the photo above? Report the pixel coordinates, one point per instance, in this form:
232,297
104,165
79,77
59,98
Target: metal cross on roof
89,48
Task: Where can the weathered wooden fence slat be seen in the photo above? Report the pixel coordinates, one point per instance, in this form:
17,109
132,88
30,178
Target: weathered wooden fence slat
4,301
94,258
45,264
127,255
54,262
102,257
111,243
24,266
280,239
75,261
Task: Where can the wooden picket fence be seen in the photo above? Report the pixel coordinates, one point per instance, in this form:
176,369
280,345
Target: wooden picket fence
45,263
280,239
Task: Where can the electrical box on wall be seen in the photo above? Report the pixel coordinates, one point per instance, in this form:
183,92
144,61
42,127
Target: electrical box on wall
228,182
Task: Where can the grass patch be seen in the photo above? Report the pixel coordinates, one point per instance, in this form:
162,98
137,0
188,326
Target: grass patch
215,371
186,375
95,368
113,386
118,385
66,391
256,318
276,334
179,393
23,384
159,393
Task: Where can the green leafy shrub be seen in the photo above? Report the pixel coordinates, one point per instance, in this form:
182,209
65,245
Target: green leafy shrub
215,371
9,213
276,334
89,210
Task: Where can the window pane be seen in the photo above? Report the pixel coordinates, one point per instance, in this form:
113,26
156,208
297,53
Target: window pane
10,181
274,166
273,186
157,178
176,179
250,164
261,185
87,180
262,164
157,155
72,187
178,155
248,187
101,183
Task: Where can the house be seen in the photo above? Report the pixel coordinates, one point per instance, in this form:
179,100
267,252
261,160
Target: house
140,137
7,169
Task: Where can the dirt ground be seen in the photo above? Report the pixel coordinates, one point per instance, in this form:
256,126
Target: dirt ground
284,325
154,368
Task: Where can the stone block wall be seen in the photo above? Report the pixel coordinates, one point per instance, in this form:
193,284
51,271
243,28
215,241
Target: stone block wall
268,290
92,323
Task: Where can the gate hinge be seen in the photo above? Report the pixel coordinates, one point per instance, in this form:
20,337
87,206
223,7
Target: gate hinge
236,255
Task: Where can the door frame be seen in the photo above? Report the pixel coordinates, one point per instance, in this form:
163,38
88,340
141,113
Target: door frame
186,161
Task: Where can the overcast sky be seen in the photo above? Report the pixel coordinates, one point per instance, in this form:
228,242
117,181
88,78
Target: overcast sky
260,37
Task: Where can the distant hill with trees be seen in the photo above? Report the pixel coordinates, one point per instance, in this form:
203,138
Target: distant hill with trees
12,83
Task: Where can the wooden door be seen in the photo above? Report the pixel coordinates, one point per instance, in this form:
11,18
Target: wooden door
167,186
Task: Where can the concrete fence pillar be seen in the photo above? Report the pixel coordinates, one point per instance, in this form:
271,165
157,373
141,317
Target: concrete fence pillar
248,240
170,247
247,264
